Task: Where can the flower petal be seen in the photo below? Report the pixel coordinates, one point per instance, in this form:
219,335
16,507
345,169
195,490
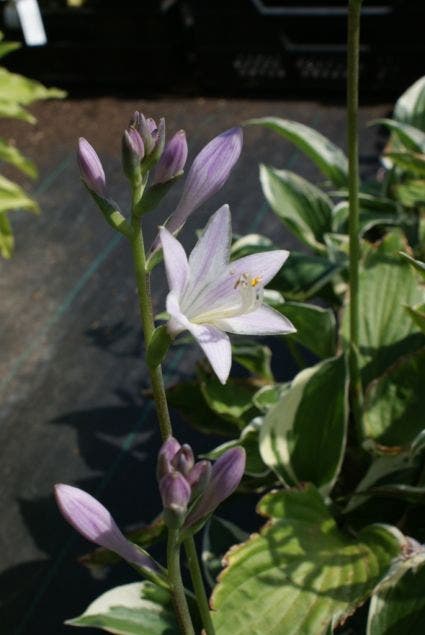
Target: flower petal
208,173
216,346
262,321
93,521
223,291
265,264
175,259
210,256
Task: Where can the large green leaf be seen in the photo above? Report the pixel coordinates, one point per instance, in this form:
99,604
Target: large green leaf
387,285
327,156
231,401
10,154
138,608
417,264
398,606
409,161
411,192
13,197
395,402
301,573
410,107
303,437
302,206
417,313
316,327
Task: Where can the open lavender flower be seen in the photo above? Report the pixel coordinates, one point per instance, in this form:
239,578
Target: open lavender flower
210,296
192,491
93,521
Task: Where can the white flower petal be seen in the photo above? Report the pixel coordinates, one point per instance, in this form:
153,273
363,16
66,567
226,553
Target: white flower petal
210,256
175,259
262,321
217,348
265,264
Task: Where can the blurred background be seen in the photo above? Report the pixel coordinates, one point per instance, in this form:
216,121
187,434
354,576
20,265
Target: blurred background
74,405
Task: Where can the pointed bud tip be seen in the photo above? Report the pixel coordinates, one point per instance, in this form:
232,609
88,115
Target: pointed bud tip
91,169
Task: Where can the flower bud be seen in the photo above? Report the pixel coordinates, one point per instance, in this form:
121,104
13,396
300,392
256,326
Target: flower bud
146,129
175,494
199,477
91,169
167,452
93,521
173,159
133,151
226,475
184,460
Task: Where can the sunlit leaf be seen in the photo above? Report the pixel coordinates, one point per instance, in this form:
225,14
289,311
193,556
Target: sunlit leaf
410,107
301,573
327,156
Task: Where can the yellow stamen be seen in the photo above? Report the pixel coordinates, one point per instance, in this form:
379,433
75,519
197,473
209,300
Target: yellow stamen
256,280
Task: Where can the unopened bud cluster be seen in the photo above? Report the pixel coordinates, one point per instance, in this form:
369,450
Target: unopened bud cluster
191,490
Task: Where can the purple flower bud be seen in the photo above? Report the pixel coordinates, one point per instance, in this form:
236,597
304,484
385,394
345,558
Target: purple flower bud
151,125
133,151
175,493
167,452
184,460
91,169
146,129
173,159
208,173
199,477
159,136
93,521
226,475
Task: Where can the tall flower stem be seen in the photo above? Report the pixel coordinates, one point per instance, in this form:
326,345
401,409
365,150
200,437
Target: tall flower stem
146,313
353,190
198,585
177,589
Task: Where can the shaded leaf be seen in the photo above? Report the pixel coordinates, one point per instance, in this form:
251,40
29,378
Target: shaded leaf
417,313
316,327
387,285
410,193
410,161
249,440
304,276
395,402
138,608
417,264
302,207
231,401
303,437
301,573
327,156
254,357
219,535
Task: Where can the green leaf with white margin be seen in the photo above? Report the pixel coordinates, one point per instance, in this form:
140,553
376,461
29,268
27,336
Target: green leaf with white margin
398,606
395,402
387,285
7,242
410,193
301,573
11,155
327,156
408,161
302,207
417,264
410,107
303,437
412,138
316,327
231,401
138,608
13,197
